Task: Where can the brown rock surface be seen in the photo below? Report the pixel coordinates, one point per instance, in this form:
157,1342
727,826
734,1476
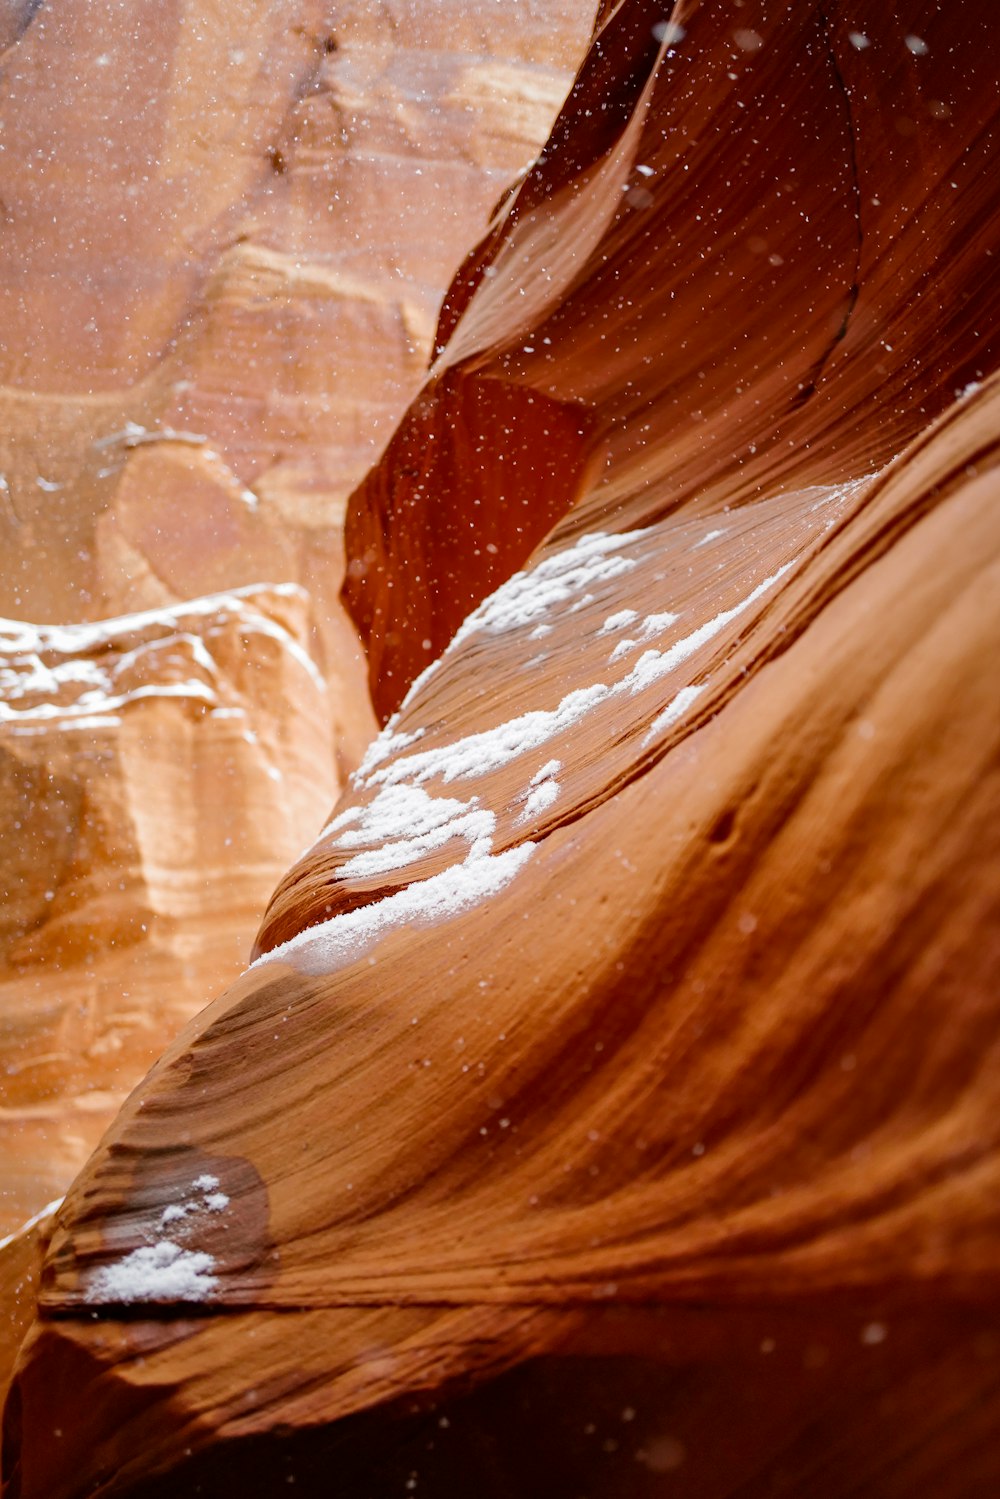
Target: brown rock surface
21,1255
632,1127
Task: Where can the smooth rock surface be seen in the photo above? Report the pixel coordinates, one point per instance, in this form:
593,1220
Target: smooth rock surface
615,1098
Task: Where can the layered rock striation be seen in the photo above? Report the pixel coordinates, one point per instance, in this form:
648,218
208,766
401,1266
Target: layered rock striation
612,1105
219,270
157,772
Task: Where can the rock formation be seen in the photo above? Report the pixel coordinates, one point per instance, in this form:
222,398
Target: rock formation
156,774
226,231
613,1105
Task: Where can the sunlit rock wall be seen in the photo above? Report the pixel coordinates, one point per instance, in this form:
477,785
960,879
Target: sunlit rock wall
156,774
226,230
233,222
614,1104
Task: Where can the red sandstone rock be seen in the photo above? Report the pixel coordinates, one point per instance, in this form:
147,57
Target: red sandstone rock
634,1122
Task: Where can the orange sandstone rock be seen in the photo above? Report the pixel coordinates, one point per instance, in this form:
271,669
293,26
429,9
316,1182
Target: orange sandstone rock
226,231
234,224
613,1105
157,773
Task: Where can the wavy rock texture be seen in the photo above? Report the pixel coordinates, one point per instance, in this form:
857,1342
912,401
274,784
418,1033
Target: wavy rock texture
613,1106
157,773
226,231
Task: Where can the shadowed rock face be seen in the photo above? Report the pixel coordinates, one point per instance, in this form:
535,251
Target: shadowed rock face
614,1102
743,265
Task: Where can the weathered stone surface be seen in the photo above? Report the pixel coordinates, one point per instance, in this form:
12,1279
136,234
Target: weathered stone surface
226,230
156,774
623,1057
21,1255
234,222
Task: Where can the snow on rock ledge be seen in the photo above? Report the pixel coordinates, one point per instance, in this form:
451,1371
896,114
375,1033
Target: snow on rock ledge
157,771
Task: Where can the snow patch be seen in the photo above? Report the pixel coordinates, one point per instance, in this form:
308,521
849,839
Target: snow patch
386,743
479,754
674,710
652,665
619,621
174,1212
408,824
622,649
549,770
165,1270
538,800
653,624
155,1272
527,596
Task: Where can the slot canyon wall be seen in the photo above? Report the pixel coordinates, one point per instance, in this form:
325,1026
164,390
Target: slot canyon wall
612,1105
226,230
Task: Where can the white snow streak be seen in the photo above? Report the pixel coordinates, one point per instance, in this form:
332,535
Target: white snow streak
405,823
674,710
32,1222
408,824
619,621
538,800
527,596
319,949
478,754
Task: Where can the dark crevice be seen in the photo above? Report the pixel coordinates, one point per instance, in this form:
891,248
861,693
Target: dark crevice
724,826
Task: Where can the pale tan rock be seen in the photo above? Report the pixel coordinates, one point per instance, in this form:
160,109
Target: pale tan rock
235,222
156,774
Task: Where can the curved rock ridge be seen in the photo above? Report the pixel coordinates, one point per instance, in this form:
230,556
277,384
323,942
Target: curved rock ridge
143,764
751,258
622,1061
601,686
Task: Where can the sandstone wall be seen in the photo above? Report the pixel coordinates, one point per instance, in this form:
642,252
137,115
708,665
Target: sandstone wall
226,229
612,1106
